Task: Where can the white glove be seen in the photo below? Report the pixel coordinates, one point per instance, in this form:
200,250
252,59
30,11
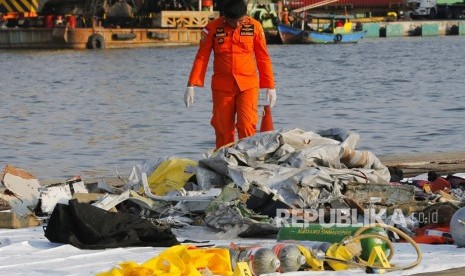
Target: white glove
271,96
189,96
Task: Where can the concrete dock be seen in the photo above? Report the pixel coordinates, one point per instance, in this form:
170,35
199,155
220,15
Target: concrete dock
414,28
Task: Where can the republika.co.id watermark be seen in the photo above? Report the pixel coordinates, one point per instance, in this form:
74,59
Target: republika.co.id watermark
345,217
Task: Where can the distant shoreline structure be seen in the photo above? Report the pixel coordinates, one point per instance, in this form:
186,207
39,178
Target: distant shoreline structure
174,28
108,38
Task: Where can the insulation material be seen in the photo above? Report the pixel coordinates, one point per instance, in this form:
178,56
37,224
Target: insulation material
22,190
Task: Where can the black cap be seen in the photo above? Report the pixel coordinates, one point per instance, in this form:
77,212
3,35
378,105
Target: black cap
234,9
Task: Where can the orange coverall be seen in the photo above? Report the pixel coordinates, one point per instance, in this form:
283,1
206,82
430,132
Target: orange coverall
285,17
238,53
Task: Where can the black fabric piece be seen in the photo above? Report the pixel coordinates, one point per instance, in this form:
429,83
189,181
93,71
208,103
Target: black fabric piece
260,230
455,181
432,176
264,204
396,174
88,227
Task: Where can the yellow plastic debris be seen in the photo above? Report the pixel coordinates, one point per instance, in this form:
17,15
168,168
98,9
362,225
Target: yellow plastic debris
377,254
242,269
178,260
310,259
340,252
427,188
171,175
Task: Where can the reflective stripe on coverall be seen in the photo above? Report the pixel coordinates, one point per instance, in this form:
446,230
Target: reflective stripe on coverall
238,53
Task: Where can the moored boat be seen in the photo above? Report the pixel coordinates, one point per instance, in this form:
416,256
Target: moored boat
328,29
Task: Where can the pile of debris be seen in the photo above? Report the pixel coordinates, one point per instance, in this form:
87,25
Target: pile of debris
251,187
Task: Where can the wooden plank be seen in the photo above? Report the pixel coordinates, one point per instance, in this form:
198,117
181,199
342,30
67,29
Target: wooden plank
419,163
12,220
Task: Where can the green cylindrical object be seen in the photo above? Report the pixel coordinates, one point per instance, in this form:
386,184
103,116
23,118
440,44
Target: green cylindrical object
369,243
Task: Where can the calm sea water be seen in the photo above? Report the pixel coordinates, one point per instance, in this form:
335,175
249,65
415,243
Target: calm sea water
93,113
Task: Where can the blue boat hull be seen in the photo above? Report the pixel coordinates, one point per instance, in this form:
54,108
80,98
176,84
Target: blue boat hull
290,35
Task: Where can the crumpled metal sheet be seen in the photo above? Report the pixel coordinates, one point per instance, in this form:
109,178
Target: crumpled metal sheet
300,139
259,148
317,156
304,168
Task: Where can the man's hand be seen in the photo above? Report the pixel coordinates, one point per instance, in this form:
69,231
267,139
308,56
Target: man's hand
189,96
271,96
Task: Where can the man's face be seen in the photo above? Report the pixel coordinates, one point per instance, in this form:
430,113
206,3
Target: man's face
235,23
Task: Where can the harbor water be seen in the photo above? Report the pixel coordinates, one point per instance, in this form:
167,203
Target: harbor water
98,113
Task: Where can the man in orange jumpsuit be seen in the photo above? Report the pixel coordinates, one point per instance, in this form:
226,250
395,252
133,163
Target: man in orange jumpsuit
285,16
239,47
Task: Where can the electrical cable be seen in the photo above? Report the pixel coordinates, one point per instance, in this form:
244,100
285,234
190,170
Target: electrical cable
358,236
402,235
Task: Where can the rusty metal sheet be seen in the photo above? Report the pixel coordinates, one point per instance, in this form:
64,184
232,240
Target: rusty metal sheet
389,194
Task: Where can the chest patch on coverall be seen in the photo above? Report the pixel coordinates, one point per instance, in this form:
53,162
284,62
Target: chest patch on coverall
247,30
220,35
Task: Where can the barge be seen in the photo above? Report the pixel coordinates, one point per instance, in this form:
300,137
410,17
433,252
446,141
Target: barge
95,38
99,24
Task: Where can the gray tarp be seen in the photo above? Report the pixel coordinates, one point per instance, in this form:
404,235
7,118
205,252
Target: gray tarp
304,168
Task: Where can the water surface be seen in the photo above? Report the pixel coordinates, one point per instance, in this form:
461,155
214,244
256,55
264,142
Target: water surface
71,112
